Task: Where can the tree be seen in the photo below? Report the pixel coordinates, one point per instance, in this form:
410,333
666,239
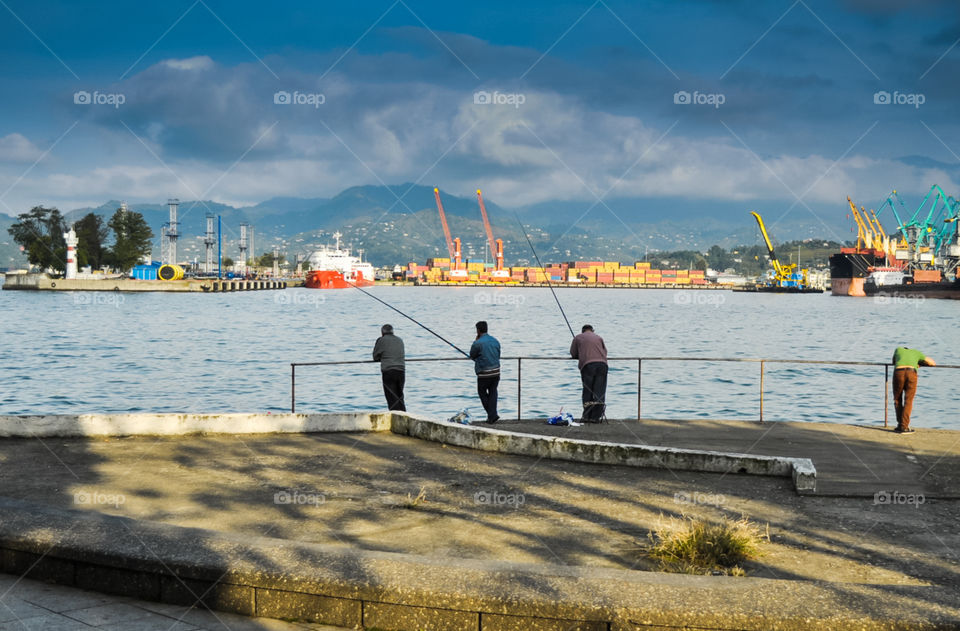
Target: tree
266,259
40,232
91,233
719,258
133,239
227,261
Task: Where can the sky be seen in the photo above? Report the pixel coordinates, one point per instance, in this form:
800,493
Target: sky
792,105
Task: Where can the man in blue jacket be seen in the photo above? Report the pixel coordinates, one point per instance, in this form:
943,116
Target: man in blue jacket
485,353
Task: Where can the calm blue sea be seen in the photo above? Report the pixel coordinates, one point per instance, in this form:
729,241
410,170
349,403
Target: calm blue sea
112,352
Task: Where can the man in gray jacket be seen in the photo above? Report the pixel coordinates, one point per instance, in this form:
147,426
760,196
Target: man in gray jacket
589,349
389,352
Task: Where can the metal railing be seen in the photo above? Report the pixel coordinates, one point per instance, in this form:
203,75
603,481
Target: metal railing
762,366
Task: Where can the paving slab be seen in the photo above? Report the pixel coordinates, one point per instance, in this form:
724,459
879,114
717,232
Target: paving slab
46,607
851,460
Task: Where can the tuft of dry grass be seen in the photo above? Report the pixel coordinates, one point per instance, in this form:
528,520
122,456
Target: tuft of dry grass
693,546
413,502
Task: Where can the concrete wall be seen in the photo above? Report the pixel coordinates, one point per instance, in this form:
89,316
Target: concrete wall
178,424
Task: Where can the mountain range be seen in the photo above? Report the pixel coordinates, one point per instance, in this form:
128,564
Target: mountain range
398,224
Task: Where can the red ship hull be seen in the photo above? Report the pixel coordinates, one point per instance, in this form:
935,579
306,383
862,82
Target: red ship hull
324,279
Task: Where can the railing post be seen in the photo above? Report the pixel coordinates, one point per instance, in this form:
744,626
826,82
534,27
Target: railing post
639,385
293,388
886,392
761,390
519,385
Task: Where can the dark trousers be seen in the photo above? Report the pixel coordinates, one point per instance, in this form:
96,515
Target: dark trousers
594,378
487,389
904,387
393,389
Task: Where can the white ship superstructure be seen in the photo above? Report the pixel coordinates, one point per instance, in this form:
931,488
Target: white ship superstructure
340,260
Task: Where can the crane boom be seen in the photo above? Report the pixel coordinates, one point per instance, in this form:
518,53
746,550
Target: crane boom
486,225
443,222
766,239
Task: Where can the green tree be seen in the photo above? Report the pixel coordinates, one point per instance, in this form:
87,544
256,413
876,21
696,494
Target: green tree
40,232
91,233
133,239
719,258
227,261
266,259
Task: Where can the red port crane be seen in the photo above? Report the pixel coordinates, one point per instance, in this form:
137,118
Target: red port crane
496,246
453,245
443,222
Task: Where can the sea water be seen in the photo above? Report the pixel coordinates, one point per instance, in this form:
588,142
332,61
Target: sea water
93,352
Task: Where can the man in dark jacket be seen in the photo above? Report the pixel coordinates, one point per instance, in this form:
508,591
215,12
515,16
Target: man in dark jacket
485,353
589,349
389,352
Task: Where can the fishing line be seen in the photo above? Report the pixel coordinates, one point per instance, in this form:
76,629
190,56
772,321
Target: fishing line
549,284
420,324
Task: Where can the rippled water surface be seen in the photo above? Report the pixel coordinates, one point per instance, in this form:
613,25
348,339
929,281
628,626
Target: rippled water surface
111,352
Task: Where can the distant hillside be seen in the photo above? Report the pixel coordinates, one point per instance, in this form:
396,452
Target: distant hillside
399,223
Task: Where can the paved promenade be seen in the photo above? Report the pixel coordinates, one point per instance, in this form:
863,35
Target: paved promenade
881,527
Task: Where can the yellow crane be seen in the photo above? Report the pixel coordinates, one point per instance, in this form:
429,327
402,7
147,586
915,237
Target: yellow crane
784,276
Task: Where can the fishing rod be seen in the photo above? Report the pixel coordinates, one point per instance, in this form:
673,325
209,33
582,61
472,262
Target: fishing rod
420,324
549,284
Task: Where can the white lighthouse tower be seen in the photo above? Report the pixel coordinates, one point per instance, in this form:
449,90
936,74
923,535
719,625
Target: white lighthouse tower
71,239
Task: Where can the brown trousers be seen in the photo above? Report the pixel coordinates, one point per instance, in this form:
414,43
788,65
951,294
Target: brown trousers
904,387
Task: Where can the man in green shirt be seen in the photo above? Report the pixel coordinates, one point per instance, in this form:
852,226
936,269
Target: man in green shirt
906,361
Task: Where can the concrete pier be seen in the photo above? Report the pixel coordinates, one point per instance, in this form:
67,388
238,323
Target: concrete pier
42,282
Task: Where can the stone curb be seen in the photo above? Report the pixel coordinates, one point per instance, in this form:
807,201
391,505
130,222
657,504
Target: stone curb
486,438
292,580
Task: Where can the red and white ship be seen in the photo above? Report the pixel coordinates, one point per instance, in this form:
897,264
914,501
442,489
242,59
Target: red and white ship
338,269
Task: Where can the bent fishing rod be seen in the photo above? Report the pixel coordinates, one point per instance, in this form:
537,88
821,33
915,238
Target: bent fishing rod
549,284
420,324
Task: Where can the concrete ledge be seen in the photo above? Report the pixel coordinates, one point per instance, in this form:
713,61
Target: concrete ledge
180,424
484,438
336,585
801,470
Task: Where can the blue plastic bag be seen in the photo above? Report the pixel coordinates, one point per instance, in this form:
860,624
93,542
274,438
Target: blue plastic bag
564,418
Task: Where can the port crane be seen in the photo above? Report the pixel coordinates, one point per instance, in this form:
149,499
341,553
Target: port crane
785,277
496,247
453,245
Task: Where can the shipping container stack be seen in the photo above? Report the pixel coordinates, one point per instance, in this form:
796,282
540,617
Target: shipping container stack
575,272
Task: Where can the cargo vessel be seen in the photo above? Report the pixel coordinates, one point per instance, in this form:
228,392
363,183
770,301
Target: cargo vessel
336,268
920,284
850,267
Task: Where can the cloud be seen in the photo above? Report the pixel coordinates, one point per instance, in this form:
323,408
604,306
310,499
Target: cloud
17,148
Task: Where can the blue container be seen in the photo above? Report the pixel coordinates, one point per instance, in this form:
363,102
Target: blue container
144,272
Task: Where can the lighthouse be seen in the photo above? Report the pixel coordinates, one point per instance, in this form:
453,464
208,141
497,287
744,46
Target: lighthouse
71,239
